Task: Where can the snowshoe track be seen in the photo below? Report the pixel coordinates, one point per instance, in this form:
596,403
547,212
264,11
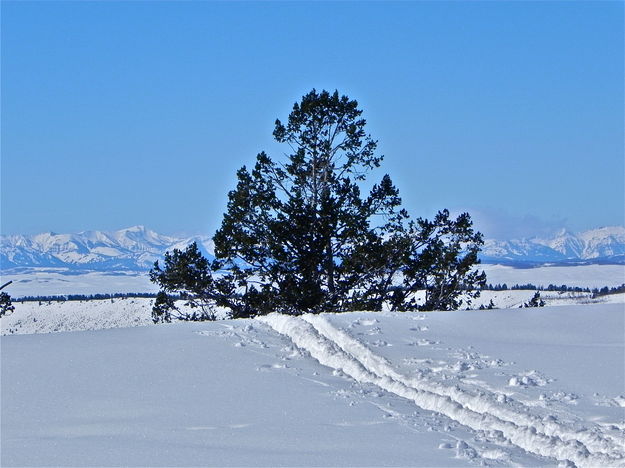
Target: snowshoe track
478,410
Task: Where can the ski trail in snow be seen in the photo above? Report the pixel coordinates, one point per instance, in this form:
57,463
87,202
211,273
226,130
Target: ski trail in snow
484,401
546,437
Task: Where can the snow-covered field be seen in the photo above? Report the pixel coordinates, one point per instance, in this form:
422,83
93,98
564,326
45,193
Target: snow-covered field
583,276
60,316
60,281
530,387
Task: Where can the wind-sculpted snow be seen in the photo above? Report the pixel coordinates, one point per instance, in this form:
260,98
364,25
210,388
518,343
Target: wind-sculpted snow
480,409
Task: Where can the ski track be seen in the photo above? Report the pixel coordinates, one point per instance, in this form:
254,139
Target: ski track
481,410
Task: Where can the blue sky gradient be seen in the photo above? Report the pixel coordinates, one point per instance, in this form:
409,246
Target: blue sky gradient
123,113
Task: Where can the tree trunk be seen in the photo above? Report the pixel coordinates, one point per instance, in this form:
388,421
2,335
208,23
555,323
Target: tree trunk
330,269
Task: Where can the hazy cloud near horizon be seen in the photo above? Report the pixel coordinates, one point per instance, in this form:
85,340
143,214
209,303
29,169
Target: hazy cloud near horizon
500,225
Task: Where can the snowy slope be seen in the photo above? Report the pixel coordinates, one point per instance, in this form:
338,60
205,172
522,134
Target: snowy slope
500,388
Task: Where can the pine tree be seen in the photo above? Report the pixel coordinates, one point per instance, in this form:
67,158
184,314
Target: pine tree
6,306
441,259
186,272
535,301
294,233
298,236
163,305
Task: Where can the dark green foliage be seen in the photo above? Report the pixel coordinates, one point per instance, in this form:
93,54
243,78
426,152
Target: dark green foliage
86,297
163,305
294,235
441,259
605,291
187,273
551,287
535,301
299,236
6,306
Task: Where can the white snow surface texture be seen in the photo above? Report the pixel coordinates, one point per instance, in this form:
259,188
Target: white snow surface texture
528,387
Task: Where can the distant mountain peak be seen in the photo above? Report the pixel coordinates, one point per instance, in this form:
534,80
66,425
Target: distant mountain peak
134,248
605,244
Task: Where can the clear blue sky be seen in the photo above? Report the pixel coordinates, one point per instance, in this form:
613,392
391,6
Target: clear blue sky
124,113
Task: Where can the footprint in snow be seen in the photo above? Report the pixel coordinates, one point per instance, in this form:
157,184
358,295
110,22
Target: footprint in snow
365,322
569,398
529,379
268,367
606,401
380,343
423,342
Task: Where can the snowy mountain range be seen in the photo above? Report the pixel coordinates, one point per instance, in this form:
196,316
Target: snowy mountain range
137,248
134,249
602,245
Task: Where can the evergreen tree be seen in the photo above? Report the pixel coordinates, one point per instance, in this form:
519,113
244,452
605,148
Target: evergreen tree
298,236
442,256
6,306
186,272
163,305
294,233
535,301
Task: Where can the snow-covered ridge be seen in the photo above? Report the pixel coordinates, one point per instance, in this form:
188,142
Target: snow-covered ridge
135,249
606,244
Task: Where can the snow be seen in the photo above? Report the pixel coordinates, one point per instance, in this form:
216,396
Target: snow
478,409
135,249
584,276
61,281
53,316
60,316
530,387
605,243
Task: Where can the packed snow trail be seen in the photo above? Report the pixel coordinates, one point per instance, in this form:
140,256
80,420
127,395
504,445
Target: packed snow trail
545,437
484,401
